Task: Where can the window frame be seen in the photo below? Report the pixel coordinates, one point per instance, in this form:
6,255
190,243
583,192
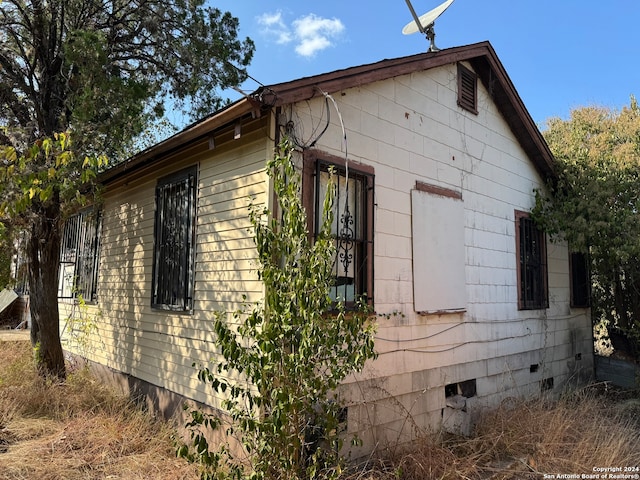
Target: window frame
80,252
578,260
315,161
525,300
164,276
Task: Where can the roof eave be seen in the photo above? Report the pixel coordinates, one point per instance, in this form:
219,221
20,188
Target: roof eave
193,132
480,55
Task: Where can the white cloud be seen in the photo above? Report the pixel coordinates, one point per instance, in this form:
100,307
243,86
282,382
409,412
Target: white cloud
314,33
310,33
274,26
308,47
271,19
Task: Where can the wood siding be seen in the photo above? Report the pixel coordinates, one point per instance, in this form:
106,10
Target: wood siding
159,346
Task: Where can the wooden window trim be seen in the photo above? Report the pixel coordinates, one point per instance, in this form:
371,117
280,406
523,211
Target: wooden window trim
436,190
310,161
467,89
522,302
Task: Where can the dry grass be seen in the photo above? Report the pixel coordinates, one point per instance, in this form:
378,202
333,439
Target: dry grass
82,430
525,440
78,430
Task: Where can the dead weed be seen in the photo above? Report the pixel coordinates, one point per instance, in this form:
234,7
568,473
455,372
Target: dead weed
77,430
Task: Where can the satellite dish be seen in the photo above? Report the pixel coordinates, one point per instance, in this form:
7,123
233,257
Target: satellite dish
424,24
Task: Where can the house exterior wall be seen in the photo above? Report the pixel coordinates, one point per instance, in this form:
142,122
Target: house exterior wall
410,130
157,346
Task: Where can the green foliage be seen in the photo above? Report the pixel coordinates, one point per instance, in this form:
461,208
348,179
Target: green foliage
81,324
48,172
280,370
594,205
6,256
106,70
38,190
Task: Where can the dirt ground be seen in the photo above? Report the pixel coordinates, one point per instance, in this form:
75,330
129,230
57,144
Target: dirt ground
14,335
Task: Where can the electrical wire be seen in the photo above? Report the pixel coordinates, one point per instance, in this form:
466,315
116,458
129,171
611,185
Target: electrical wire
480,322
382,339
453,347
344,132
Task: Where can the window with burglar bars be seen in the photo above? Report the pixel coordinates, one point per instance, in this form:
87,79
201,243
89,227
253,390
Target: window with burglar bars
79,256
352,229
532,264
580,280
173,255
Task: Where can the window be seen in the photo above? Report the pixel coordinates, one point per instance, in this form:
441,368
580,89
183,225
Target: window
439,256
173,253
352,225
467,89
580,280
79,256
532,264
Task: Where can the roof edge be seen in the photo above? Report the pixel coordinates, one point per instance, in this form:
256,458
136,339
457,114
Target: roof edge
194,131
481,55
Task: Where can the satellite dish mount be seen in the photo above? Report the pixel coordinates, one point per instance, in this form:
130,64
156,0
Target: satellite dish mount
425,23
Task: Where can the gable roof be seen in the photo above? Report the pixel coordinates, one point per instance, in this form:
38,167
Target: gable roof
481,56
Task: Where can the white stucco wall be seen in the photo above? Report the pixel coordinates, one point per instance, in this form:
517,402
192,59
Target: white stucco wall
411,129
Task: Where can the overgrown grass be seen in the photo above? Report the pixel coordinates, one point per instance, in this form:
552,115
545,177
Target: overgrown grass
83,430
78,430
592,427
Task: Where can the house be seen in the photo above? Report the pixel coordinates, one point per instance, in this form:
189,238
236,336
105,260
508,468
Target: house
475,304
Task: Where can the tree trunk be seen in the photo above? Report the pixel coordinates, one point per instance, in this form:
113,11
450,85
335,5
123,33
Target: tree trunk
43,255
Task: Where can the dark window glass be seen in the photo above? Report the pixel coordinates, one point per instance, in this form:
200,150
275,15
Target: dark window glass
580,280
532,264
173,255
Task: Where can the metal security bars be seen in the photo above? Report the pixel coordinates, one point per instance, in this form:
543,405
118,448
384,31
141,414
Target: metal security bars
532,272
580,280
79,256
174,258
349,230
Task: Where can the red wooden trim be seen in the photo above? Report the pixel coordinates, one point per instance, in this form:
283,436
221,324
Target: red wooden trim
309,160
436,190
310,156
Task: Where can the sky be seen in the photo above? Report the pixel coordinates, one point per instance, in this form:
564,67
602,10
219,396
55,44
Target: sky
560,54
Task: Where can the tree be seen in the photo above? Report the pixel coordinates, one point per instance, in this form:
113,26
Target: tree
290,352
595,203
6,255
100,71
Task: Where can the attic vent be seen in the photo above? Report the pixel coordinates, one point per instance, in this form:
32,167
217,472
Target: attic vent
467,89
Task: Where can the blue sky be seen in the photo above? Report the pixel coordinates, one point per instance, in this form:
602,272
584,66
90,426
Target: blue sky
559,54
